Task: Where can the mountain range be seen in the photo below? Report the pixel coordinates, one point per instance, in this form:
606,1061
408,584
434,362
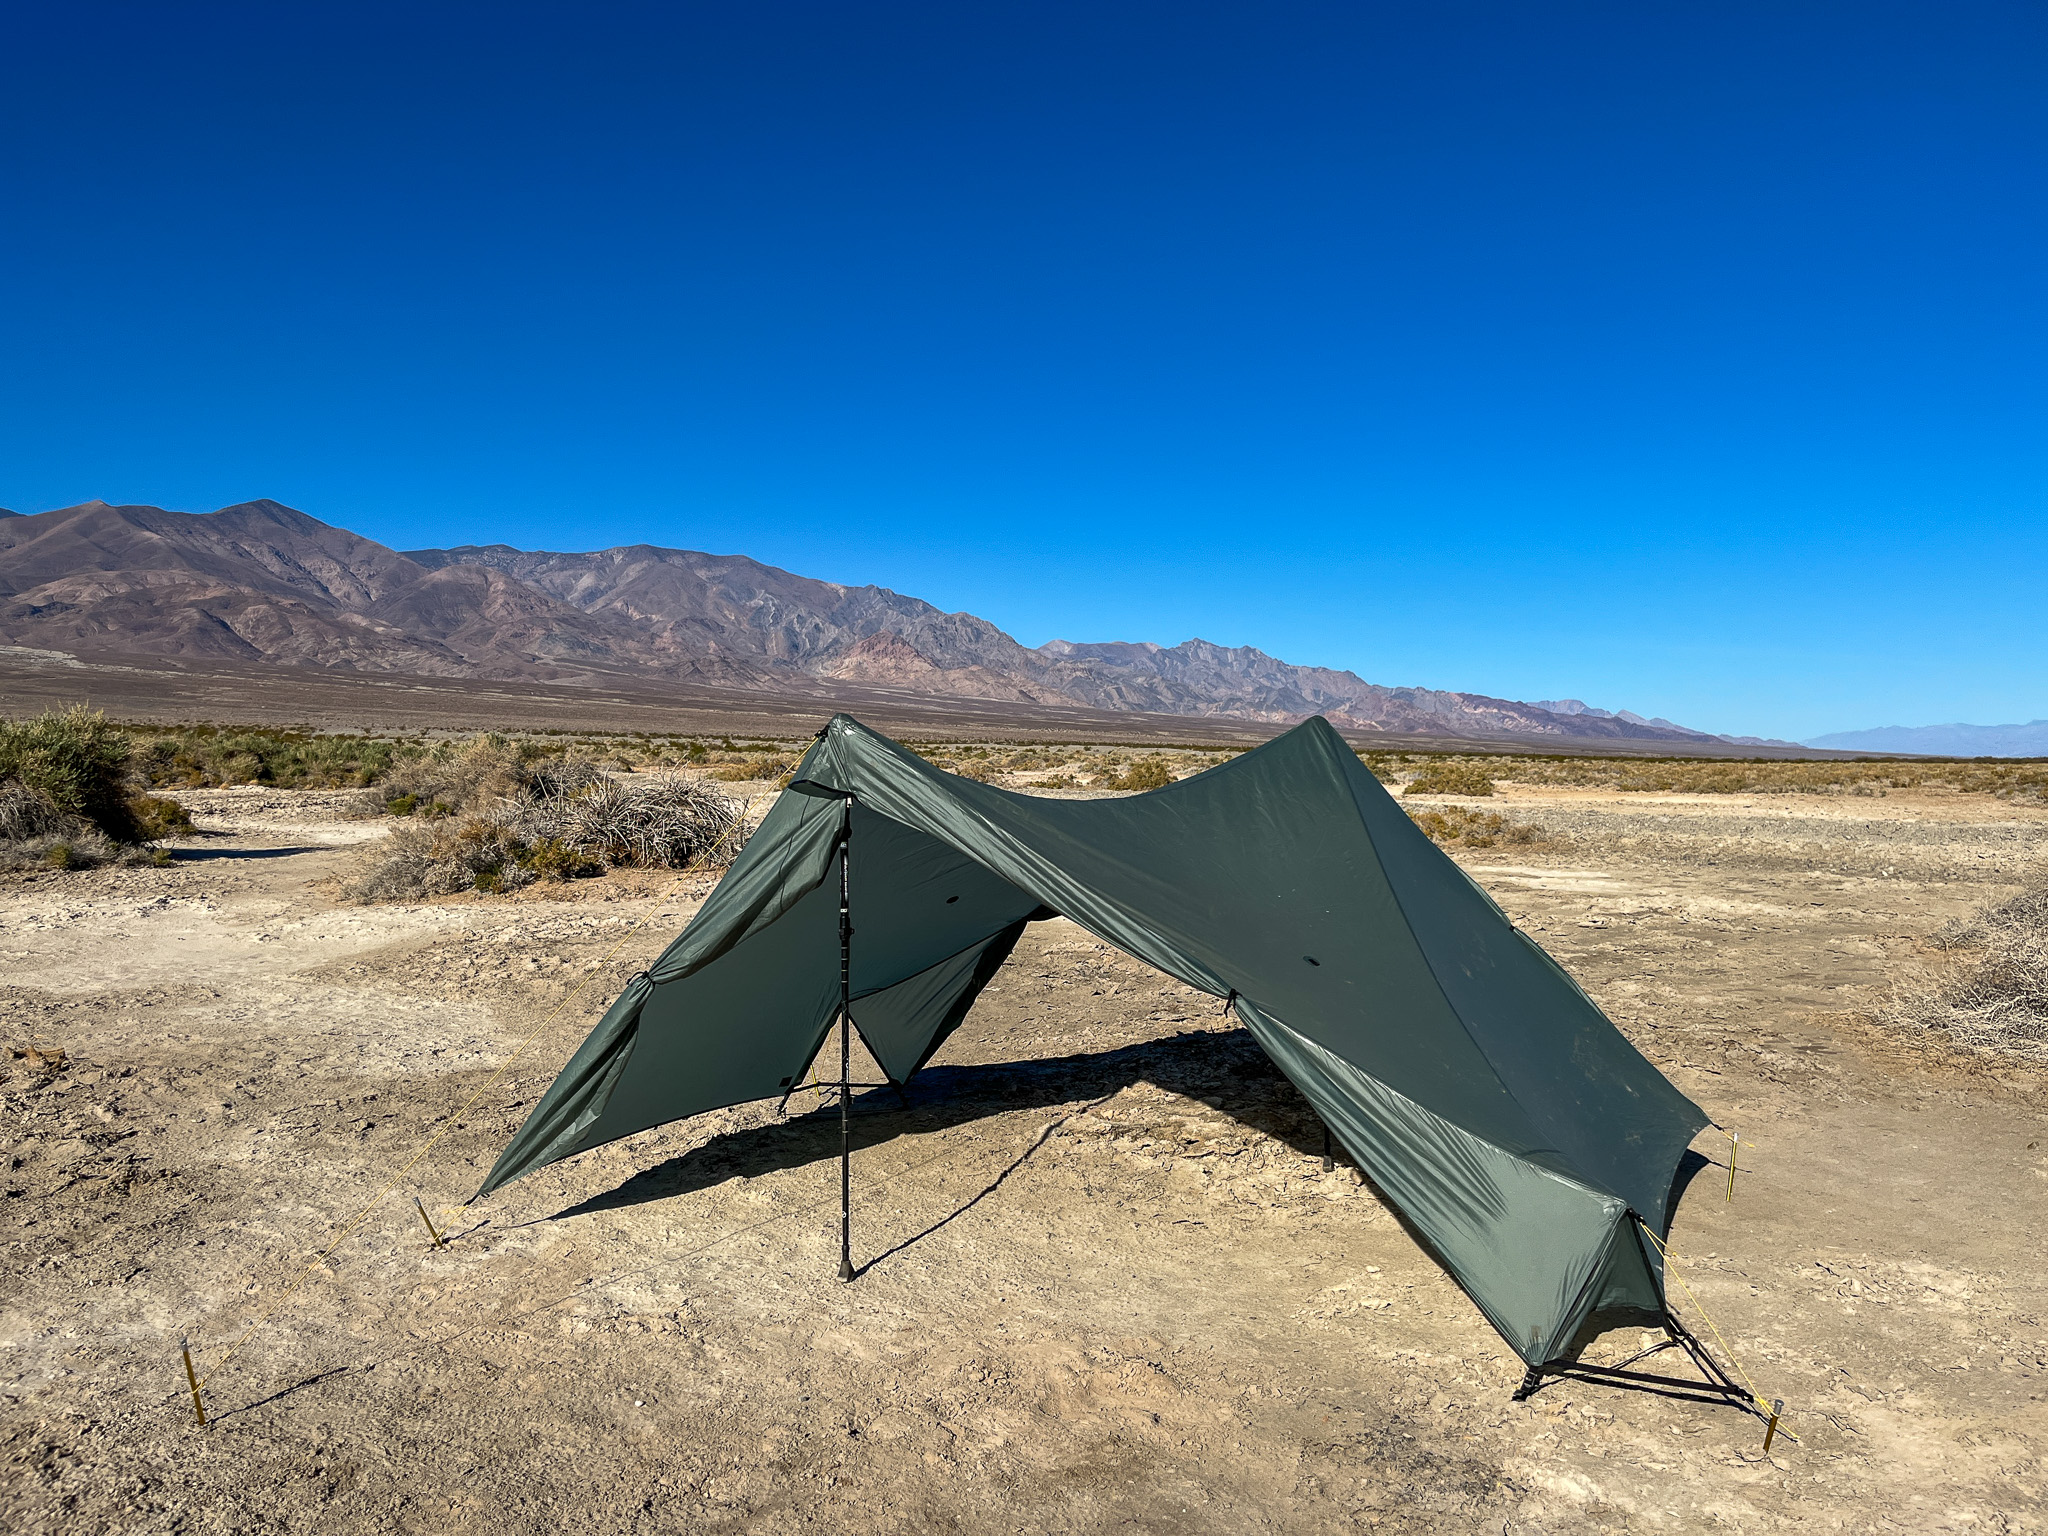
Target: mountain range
262,582
1956,740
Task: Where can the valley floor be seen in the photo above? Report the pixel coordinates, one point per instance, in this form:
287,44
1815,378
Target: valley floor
1105,1284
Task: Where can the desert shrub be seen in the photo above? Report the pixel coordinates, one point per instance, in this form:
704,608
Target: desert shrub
27,813
561,776
1104,767
2010,779
1994,996
196,757
1461,826
749,769
1030,759
158,817
1446,777
1381,766
431,860
664,823
563,820
65,773
1145,773
981,770
453,776
81,847
78,762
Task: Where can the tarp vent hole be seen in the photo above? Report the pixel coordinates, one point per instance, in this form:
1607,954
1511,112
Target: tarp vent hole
951,899
1311,959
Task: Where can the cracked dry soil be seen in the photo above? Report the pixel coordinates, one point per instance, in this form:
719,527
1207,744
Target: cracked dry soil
1105,1283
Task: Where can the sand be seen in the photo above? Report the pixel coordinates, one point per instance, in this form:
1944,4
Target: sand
1105,1284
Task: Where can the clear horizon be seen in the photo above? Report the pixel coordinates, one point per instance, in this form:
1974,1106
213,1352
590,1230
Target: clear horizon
1684,363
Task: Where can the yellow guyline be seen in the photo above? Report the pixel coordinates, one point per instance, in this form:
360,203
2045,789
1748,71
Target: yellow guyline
1671,1268
428,1145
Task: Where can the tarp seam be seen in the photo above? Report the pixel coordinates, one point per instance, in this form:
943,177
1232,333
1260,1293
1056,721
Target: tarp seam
1429,960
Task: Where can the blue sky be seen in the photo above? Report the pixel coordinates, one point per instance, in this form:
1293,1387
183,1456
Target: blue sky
1683,358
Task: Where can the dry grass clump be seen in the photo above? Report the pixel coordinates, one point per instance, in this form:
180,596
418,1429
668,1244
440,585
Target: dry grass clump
1995,995
1461,826
491,817
27,813
1449,777
35,833
38,1061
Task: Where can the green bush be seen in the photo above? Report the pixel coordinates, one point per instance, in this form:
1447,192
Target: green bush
158,817
202,756
1146,773
77,761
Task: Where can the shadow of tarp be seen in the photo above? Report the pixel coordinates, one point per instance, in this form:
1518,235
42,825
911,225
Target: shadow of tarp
1224,1069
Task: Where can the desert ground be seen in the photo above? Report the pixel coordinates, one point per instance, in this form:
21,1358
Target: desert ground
1104,1283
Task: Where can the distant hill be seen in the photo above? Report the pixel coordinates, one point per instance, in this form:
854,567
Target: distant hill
262,582
1958,740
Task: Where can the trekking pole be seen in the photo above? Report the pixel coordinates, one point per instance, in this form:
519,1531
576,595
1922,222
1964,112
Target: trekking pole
845,1044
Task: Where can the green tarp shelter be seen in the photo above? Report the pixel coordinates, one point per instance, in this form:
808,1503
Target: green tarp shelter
1486,1097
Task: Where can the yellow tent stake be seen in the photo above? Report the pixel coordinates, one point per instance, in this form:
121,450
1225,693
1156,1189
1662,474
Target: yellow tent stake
439,1240
1734,1144
1771,1430
452,1121
192,1380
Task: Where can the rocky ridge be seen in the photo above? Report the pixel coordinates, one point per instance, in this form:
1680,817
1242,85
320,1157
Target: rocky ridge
261,581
